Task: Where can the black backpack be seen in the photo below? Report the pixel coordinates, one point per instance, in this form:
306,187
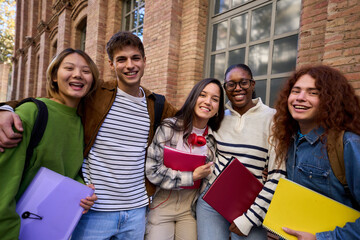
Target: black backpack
38,129
159,107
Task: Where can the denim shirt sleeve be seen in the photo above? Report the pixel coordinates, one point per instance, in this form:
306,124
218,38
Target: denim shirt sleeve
352,165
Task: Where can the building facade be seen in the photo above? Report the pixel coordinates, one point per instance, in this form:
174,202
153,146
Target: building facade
187,40
4,80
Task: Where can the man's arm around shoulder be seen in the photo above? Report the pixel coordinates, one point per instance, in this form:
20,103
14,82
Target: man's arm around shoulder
8,137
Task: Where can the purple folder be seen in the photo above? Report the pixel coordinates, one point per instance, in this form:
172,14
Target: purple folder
50,206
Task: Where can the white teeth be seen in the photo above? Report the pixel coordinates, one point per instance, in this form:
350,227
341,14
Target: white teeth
205,109
131,73
239,97
300,107
77,84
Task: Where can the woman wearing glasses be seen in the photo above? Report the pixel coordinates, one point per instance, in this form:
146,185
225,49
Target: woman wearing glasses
244,133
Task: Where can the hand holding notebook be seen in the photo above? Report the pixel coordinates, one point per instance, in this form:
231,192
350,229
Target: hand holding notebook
50,206
233,191
299,208
183,161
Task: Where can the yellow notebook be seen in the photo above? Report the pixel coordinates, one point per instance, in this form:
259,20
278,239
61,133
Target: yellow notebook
299,208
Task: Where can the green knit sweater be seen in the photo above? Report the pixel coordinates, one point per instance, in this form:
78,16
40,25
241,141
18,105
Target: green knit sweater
61,150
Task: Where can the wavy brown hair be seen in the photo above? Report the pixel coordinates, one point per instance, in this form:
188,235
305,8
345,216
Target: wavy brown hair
339,107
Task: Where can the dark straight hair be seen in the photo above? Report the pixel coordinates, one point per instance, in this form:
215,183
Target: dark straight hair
184,117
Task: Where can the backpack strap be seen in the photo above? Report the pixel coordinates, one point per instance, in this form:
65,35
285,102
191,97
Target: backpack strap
38,129
335,150
159,107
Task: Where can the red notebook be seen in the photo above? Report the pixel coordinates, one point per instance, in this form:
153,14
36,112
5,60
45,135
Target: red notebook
183,161
233,191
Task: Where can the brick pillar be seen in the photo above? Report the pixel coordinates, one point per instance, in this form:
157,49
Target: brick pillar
329,34
29,72
162,26
4,79
31,61
96,32
64,30
113,25
44,60
192,47
342,39
21,70
312,32
14,84
20,77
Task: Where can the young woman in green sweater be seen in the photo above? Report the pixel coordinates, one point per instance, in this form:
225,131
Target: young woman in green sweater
71,76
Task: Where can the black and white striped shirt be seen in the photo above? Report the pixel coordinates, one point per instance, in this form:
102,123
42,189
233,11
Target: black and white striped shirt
116,161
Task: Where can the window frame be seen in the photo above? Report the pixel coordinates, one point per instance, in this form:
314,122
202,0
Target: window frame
228,15
133,9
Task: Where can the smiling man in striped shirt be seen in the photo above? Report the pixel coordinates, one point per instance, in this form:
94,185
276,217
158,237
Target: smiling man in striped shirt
118,126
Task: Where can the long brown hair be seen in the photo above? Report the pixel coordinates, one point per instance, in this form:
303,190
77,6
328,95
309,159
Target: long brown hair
339,107
184,117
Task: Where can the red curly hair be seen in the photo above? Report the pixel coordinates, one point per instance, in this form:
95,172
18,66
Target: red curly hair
339,107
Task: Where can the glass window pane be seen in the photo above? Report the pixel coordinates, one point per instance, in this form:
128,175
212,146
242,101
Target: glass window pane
287,16
284,54
260,23
128,6
134,19
137,3
217,66
258,58
219,36
221,6
141,16
260,89
238,27
127,23
238,2
140,33
236,56
276,86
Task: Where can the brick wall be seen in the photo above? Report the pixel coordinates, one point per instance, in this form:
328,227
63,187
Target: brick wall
174,38
4,78
330,34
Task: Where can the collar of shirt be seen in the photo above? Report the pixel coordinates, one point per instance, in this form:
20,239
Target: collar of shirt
312,137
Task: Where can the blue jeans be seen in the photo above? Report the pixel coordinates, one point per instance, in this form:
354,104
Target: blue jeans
211,225
129,224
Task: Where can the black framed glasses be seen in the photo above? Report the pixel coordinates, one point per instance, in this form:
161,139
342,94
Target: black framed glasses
244,83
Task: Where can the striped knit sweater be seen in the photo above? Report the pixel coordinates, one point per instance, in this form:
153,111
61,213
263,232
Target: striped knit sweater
246,137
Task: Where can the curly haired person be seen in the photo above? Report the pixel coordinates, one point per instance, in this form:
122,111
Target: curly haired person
315,101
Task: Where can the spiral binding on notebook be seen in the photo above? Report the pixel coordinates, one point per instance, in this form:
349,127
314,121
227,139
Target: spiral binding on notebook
274,232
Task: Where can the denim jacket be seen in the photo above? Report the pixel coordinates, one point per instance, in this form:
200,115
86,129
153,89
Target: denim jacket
308,164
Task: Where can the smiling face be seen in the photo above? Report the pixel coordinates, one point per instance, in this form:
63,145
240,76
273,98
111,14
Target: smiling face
207,105
74,79
129,65
303,103
241,99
